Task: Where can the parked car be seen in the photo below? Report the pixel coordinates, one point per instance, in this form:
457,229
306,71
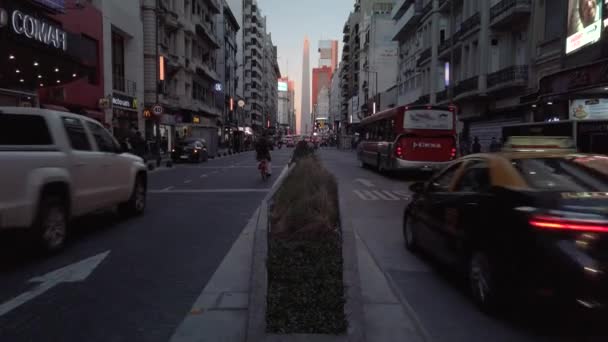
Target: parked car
513,221
190,150
57,166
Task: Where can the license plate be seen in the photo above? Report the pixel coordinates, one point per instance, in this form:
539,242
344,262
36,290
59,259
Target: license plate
184,157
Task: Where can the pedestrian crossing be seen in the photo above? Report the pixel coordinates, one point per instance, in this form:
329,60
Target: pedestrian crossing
382,195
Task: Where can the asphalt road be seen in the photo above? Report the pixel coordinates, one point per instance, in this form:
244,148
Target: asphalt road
146,272
436,297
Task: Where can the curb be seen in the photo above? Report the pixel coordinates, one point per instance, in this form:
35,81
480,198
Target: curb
353,308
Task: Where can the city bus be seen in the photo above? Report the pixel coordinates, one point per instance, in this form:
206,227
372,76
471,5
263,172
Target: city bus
408,138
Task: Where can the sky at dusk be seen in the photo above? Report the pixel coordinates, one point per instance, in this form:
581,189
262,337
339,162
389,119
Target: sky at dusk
290,20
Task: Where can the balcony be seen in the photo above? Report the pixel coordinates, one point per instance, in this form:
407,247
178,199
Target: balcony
466,86
346,37
508,12
203,31
471,23
204,70
424,56
427,9
408,20
171,20
213,6
507,78
125,86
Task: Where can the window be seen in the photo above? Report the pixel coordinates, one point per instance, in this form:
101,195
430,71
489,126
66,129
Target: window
476,177
118,61
554,26
19,130
560,174
104,140
442,182
76,133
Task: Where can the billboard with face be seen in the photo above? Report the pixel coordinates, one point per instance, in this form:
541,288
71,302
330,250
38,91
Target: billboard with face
584,23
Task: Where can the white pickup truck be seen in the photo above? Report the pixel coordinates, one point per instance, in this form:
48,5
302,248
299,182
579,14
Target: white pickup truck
55,166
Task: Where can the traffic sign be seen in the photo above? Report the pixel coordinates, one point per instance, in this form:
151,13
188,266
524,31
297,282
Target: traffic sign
241,103
157,110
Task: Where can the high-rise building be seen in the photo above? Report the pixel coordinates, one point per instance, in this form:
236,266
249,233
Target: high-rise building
321,78
369,59
227,28
257,69
285,106
328,54
305,113
180,53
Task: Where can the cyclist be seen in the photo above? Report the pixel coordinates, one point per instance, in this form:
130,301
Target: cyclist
262,149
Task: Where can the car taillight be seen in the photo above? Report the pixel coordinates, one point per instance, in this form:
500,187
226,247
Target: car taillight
453,153
399,151
568,224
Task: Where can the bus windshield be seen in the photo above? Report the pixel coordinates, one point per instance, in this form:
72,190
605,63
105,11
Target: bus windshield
428,119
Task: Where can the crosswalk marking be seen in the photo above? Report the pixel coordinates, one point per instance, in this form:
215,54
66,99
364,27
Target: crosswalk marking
366,195
386,195
382,195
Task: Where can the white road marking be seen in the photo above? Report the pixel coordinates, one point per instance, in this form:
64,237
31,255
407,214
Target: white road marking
204,176
187,181
205,191
168,188
76,272
386,195
365,182
366,195
383,195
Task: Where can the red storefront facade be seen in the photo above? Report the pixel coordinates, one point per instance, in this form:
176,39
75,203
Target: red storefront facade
52,57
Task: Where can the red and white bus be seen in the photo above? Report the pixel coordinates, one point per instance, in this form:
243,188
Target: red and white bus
408,138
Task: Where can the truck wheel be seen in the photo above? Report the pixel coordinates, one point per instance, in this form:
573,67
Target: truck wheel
137,202
51,225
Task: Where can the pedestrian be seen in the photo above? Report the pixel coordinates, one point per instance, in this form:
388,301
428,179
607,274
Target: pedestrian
494,145
476,145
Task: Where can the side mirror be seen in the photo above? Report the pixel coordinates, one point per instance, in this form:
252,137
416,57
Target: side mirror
417,187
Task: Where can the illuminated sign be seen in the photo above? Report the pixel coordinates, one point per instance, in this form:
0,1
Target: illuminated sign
36,29
589,109
196,119
124,102
584,24
218,87
283,86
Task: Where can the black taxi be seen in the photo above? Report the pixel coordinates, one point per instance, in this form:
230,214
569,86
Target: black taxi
533,217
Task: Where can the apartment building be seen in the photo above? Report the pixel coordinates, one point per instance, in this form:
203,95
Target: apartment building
365,71
227,65
472,53
180,59
335,99
270,77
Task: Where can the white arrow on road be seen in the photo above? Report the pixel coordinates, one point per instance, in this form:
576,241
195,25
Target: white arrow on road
365,182
77,272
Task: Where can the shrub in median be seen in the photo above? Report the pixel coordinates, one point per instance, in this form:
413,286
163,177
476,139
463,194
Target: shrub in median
305,288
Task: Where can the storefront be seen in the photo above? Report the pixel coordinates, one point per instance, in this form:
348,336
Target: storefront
573,102
124,115
45,59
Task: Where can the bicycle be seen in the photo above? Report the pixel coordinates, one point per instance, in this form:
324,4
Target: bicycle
263,167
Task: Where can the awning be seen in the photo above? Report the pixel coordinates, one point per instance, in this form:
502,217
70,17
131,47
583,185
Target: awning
94,114
54,107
